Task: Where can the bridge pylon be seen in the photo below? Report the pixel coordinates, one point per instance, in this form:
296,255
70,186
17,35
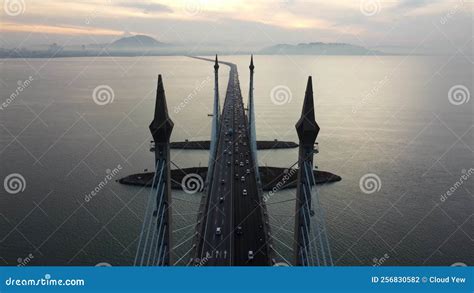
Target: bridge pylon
154,246
252,128
311,244
216,115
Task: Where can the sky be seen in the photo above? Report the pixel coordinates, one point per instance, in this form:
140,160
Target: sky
410,25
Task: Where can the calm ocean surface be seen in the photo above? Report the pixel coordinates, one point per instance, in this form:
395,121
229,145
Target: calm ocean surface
383,115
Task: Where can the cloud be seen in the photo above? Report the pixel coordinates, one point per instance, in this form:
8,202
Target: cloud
233,22
410,4
57,30
146,7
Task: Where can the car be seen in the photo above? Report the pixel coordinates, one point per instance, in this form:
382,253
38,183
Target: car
242,178
236,175
247,162
251,254
228,163
222,181
218,231
248,171
221,199
241,164
244,192
238,231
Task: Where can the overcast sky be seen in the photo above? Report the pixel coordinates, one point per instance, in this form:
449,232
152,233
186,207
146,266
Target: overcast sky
422,25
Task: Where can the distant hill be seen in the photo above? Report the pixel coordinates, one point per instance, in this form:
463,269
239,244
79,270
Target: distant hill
318,49
136,42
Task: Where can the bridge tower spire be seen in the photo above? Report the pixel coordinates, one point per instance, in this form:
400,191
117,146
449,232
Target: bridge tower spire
311,246
252,129
155,238
216,113
253,149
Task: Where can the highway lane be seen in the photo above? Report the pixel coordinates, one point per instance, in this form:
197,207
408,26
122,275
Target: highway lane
248,212
216,247
232,224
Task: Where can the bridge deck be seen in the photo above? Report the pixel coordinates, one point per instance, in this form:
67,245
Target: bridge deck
238,216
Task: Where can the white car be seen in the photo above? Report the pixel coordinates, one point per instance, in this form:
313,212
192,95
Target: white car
251,254
242,178
218,231
244,192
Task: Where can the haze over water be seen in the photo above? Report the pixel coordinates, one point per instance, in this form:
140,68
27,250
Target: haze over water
385,115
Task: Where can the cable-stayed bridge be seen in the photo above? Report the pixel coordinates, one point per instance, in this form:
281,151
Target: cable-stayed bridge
232,227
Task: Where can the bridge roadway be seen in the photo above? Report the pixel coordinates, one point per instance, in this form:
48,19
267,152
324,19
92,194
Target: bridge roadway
237,215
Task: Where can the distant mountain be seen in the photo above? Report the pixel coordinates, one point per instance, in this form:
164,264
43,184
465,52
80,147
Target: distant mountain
136,42
318,49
